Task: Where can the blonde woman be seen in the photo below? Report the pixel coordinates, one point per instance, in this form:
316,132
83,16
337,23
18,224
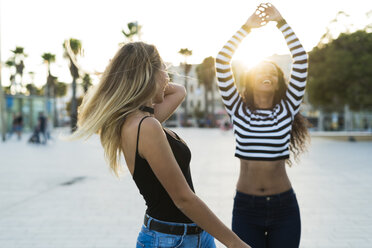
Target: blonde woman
126,109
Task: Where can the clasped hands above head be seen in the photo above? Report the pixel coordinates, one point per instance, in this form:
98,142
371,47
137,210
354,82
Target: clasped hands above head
264,13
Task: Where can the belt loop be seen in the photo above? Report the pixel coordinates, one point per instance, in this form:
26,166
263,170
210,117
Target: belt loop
183,235
148,221
280,200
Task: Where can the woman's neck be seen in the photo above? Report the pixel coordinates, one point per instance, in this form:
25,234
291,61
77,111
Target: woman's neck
148,107
263,100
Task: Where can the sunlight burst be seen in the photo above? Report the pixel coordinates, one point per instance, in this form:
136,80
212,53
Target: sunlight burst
259,45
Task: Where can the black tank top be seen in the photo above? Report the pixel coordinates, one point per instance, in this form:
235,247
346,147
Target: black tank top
159,204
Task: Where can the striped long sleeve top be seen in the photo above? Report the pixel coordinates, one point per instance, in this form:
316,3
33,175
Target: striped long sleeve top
262,134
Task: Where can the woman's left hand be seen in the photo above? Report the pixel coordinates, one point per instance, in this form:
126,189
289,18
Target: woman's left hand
269,12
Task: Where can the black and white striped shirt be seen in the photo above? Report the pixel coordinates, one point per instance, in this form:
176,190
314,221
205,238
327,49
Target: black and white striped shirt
262,134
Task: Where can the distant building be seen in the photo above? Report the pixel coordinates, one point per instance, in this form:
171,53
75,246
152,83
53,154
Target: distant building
29,107
195,97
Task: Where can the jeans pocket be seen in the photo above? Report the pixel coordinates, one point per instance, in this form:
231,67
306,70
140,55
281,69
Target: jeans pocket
290,201
140,245
145,239
168,241
242,204
207,240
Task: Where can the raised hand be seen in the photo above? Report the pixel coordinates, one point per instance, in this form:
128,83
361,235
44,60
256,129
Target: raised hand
268,12
256,20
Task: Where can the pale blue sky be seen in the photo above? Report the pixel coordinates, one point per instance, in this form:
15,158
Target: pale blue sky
200,25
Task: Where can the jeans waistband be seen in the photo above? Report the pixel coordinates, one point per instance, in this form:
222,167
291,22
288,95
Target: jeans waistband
266,198
171,227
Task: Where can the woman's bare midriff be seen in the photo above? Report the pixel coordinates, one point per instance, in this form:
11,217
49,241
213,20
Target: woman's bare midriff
263,177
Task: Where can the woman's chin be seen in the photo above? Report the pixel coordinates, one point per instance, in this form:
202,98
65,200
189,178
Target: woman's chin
265,89
158,99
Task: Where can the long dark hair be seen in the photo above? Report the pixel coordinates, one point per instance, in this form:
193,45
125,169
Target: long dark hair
299,134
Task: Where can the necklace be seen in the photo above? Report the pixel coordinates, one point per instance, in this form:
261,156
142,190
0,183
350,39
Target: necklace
147,109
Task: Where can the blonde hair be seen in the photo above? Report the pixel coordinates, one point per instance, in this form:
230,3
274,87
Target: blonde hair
127,83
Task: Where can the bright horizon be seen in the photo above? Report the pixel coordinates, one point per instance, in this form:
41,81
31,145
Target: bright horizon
41,26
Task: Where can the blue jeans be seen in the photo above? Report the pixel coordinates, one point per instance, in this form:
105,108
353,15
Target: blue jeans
149,238
267,221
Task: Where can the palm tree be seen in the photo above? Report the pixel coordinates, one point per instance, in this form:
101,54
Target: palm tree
61,89
19,56
16,65
134,29
73,48
31,88
206,77
48,59
10,63
87,82
185,53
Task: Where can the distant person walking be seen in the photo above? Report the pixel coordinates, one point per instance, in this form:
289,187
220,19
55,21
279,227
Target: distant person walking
42,128
126,109
17,126
267,126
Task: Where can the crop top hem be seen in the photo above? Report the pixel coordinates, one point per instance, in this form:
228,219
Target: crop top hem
261,159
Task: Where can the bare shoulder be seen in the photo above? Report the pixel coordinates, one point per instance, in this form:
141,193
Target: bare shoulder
152,138
151,127
150,132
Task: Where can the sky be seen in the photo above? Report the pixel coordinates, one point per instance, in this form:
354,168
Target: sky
202,26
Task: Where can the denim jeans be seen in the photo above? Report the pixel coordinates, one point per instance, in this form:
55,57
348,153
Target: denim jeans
150,239
267,221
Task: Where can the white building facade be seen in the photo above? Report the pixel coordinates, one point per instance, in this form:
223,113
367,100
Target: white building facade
195,98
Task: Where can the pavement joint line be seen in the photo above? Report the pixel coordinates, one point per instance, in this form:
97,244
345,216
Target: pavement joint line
16,204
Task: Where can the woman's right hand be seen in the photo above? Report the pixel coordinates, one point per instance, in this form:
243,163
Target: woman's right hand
258,18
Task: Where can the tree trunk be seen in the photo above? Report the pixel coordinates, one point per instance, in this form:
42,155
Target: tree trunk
347,118
73,106
213,112
31,122
55,112
2,104
2,112
206,107
321,120
186,113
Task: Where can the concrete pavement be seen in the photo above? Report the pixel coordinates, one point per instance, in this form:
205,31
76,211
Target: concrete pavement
63,194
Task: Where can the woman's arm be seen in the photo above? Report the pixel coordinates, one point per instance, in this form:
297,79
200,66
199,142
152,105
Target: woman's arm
157,152
297,82
173,97
225,78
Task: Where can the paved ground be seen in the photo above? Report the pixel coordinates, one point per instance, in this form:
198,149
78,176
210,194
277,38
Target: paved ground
63,195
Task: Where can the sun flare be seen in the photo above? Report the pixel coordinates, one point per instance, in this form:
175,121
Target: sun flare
258,46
